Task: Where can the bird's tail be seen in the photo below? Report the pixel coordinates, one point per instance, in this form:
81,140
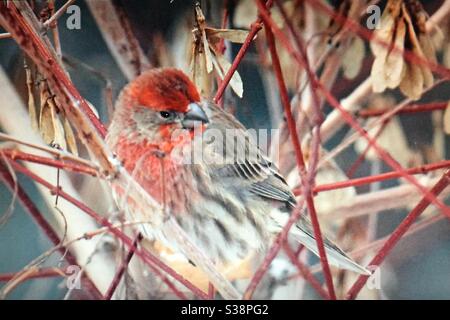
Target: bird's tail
335,255
338,258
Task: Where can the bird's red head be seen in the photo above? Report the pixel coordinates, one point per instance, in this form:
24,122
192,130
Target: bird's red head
164,89
157,107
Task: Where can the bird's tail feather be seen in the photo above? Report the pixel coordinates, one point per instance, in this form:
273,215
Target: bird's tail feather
335,255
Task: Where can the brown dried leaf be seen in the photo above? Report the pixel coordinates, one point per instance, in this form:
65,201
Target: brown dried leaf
200,76
45,119
430,54
50,125
390,70
222,66
236,36
59,137
422,40
389,33
394,66
385,32
70,137
201,25
412,83
31,101
208,55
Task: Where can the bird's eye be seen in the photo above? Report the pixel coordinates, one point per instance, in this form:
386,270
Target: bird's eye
165,114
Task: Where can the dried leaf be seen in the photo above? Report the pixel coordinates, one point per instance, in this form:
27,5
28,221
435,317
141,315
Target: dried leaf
412,83
430,54
50,125
70,137
31,101
394,65
447,119
353,57
199,74
385,32
381,76
45,121
59,136
236,36
222,66
201,25
390,69
208,55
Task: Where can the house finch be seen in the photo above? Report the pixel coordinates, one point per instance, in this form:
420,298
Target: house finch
229,204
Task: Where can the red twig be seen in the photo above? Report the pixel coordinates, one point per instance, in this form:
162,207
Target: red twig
412,108
41,273
351,171
368,35
387,158
306,273
399,232
254,29
123,266
380,177
14,154
280,239
152,261
299,153
46,56
46,228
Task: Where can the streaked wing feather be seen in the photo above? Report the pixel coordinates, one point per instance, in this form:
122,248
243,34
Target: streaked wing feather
260,173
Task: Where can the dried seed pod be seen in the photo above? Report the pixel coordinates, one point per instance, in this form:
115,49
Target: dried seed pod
206,56
402,27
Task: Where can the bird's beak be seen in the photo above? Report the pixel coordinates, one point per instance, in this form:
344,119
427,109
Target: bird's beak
194,116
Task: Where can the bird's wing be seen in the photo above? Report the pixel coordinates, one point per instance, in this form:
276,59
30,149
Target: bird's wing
248,163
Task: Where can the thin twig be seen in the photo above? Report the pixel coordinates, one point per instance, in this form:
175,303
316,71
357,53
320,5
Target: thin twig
45,226
399,232
122,268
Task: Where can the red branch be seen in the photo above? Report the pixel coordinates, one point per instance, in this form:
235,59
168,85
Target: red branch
278,243
152,261
14,154
123,266
412,108
399,232
47,229
308,181
380,177
254,29
387,158
300,161
305,272
41,273
58,72
351,171
354,26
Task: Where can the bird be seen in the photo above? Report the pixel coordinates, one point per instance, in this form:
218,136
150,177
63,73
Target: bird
224,192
